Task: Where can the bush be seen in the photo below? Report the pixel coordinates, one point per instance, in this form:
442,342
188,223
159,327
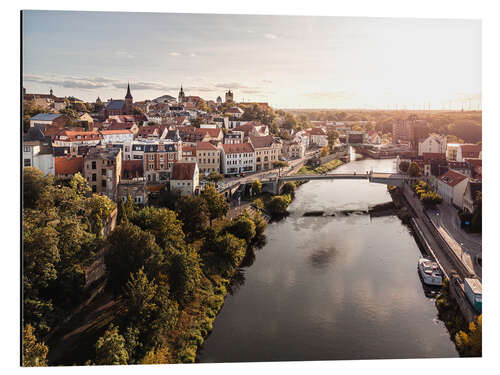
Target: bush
278,204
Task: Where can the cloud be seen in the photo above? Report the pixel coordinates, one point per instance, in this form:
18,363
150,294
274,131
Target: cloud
233,85
124,54
267,81
330,95
271,36
174,54
192,54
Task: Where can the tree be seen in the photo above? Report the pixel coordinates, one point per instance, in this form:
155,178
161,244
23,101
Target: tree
131,248
324,151
278,204
403,166
469,343
98,207
193,214
215,202
163,224
80,185
414,170
184,272
214,177
332,135
110,348
256,187
280,164
227,247
34,352
242,227
33,183
289,189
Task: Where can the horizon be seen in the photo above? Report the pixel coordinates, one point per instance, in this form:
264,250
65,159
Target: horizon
291,62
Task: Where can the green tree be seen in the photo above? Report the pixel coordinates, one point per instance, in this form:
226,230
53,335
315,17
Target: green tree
80,185
256,187
33,184
184,272
215,202
414,170
289,189
214,177
242,227
110,348
278,204
469,343
403,166
131,248
193,214
98,207
34,352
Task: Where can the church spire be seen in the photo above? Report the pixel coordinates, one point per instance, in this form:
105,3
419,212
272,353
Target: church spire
129,95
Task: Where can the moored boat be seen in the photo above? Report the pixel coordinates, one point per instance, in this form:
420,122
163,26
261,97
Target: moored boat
430,272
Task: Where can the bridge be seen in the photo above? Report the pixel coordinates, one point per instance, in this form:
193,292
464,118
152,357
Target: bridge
395,179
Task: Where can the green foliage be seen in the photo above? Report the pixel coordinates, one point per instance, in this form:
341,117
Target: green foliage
289,189
280,164
403,166
110,348
33,184
278,204
215,202
80,185
184,273
414,170
242,227
193,213
431,198
258,204
98,207
214,177
469,343
256,187
34,352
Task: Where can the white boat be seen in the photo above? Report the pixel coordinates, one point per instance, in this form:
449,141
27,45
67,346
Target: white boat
430,272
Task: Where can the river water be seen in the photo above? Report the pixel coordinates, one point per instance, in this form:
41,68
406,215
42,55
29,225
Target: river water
326,288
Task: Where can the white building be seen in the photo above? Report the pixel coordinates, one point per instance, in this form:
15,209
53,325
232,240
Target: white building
185,178
117,136
451,186
39,155
435,144
237,158
318,137
458,152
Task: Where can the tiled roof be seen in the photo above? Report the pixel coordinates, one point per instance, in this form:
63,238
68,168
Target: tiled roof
121,125
261,142
116,104
452,178
121,131
433,156
132,169
471,149
68,165
183,171
46,116
317,131
237,148
205,146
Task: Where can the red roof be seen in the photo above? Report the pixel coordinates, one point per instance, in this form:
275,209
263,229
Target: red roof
84,135
68,165
122,131
471,150
452,178
213,133
132,169
183,171
188,148
262,142
433,156
121,125
317,131
237,148
205,146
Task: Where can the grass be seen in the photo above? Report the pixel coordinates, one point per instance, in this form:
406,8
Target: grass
321,169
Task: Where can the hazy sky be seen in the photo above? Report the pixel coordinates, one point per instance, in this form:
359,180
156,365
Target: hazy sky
290,62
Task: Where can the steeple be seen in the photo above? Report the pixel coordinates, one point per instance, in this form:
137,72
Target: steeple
129,95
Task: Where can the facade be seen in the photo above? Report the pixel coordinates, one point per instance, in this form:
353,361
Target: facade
293,150
234,136
410,131
207,157
229,96
356,137
185,178
67,166
76,138
451,186
318,137
267,151
435,144
158,161
237,158
459,152
119,107
117,136
374,138
181,97
473,187
102,170
235,112
132,182
38,151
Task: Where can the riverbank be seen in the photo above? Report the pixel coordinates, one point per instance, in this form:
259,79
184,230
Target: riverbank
321,169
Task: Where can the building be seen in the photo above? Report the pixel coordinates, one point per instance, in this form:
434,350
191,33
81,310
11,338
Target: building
37,151
451,186
132,182
207,157
409,131
254,128
458,152
85,120
185,178
55,120
374,138
229,96
317,137
219,100
234,136
181,97
117,136
67,166
435,144
356,137
73,138
267,151
102,170
119,107
237,158
470,194
293,150
235,112
158,160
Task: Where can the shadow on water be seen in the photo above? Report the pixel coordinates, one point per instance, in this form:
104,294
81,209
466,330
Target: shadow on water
322,258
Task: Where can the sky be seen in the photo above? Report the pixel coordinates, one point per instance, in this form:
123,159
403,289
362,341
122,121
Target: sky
287,61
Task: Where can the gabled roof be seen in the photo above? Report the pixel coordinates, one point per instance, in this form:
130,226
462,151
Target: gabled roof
46,116
470,148
317,131
116,104
205,146
452,178
183,171
261,142
237,148
117,131
121,125
68,165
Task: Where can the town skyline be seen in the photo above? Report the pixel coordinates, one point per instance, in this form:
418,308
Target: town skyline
290,62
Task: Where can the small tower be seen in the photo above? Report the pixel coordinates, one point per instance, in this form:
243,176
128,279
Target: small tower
128,101
182,96
51,92
219,100
229,96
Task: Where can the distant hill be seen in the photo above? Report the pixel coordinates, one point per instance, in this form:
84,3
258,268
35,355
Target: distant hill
165,99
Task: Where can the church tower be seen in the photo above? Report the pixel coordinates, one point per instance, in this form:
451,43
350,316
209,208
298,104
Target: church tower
182,96
229,96
128,101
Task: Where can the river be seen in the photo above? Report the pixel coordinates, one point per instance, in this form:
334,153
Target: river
327,288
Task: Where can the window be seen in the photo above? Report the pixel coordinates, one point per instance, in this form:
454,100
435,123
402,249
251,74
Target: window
94,177
94,166
103,172
103,183
27,162
151,166
27,149
94,188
